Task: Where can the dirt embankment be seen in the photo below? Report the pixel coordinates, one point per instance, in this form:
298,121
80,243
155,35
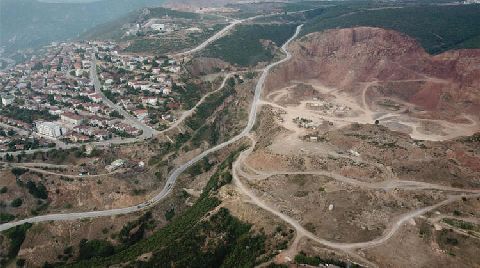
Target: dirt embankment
444,85
203,66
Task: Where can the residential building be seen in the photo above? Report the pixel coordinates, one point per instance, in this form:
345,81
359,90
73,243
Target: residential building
71,118
7,99
50,129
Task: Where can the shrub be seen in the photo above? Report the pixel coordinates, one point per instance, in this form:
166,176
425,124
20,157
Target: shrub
38,190
6,217
170,214
18,171
95,248
16,236
17,202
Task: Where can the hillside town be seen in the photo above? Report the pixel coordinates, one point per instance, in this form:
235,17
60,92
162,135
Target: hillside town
51,99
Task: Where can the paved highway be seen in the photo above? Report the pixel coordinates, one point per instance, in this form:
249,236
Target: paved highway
176,173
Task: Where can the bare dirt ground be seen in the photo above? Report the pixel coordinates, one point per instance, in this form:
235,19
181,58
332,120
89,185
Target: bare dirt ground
343,213
355,189
340,109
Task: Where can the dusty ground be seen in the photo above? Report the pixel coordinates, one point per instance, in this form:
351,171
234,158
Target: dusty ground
365,74
352,185
358,189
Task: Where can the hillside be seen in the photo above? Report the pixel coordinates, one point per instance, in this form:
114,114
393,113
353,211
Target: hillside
250,44
30,23
343,135
383,68
113,29
438,28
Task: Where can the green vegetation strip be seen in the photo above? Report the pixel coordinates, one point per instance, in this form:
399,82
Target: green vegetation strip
159,12
464,225
162,46
244,46
197,238
211,103
16,236
28,116
196,122
302,258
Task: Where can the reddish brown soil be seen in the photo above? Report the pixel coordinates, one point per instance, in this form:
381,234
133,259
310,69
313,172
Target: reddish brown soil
444,85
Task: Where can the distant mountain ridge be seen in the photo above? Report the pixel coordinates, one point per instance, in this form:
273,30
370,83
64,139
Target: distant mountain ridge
31,23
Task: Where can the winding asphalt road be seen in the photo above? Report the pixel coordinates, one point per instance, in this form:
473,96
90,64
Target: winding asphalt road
176,173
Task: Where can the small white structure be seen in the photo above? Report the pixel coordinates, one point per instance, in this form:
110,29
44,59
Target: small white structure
166,91
194,30
158,27
115,165
7,99
79,72
97,98
89,149
150,100
109,82
50,129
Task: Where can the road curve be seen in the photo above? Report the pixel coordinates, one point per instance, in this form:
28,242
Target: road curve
336,245
188,113
227,29
176,173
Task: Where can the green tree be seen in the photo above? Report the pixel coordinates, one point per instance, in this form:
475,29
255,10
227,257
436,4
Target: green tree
95,248
17,202
18,171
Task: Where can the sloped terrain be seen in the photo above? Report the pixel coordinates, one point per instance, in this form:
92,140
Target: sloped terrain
389,76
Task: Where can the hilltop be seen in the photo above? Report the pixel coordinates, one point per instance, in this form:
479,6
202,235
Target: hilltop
30,23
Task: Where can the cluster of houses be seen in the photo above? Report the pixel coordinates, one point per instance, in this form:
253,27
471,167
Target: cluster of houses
140,84
54,90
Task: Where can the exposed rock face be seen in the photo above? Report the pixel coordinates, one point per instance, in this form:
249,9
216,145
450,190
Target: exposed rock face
444,85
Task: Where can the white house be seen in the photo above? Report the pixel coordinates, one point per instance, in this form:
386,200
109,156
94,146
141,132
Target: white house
50,129
166,91
97,98
158,27
150,100
7,99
